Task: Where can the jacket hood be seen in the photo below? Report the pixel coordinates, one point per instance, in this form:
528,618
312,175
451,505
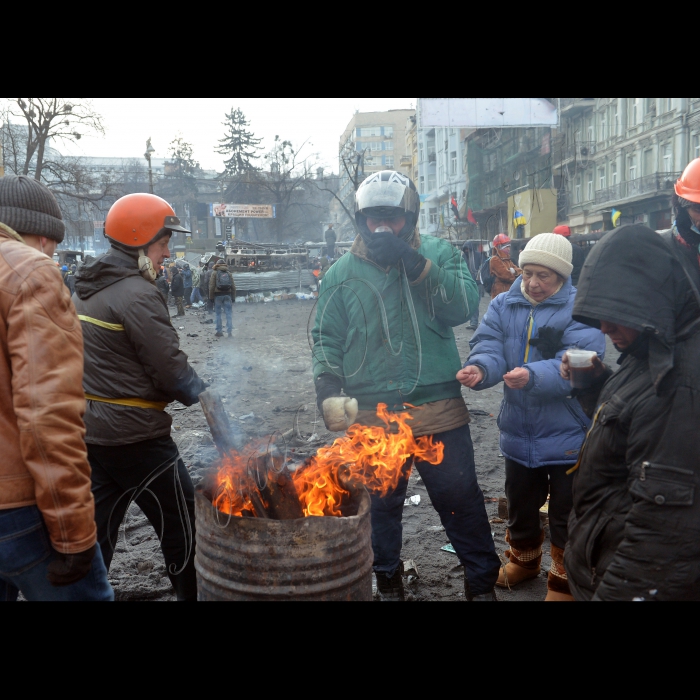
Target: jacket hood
100,273
632,278
221,266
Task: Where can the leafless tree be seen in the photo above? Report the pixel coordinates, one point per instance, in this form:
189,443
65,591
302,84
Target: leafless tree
30,124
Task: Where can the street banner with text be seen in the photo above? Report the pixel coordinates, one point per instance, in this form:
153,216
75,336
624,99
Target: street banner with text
243,211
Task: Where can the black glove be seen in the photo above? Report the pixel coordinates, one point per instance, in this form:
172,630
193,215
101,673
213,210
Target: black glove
67,569
548,342
386,250
327,385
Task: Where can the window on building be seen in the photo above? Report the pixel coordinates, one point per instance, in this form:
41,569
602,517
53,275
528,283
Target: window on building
696,146
421,185
453,163
616,120
389,160
601,178
667,157
613,174
603,127
635,109
589,187
433,215
421,157
648,165
589,133
422,219
669,103
369,131
577,191
389,131
441,173
431,183
632,167
388,145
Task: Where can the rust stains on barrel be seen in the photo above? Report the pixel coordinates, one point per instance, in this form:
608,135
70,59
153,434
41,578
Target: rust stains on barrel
306,559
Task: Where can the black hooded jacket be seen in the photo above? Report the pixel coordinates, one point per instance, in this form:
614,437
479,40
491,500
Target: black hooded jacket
634,530
131,351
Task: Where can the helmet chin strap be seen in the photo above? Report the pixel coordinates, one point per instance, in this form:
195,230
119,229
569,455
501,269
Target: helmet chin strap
148,272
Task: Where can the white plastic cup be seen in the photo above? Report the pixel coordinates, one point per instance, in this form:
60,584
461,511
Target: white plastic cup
581,367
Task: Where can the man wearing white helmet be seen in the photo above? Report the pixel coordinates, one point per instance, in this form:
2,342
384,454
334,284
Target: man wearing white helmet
383,334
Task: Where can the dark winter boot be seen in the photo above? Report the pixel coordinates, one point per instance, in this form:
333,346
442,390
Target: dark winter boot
525,559
391,589
488,597
557,580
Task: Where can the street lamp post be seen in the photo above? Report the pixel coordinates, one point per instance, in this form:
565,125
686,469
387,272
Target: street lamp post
147,156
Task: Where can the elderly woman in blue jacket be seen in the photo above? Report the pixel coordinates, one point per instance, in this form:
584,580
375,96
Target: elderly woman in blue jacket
521,341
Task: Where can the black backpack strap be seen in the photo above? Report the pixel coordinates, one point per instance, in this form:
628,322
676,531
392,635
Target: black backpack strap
685,264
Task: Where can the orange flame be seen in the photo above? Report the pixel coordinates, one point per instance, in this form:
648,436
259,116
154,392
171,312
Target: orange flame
373,456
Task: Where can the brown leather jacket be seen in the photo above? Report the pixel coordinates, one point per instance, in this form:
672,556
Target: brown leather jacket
501,270
44,459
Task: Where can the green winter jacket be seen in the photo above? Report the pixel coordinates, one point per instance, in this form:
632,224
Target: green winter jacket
390,341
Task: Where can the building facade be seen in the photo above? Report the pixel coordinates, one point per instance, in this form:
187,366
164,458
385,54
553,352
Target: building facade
622,155
371,142
441,178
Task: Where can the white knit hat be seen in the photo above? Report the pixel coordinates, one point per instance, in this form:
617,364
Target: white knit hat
550,250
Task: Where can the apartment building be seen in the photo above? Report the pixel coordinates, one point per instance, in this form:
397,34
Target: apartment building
441,177
371,142
622,154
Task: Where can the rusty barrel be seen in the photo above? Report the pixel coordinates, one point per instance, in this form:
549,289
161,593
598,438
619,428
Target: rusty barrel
307,559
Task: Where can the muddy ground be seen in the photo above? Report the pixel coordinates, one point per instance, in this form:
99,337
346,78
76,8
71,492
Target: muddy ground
264,371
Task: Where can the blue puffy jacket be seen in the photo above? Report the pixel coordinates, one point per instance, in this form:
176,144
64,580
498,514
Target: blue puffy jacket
539,424
187,278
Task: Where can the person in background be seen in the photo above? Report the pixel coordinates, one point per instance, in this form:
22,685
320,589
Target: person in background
177,289
134,368
204,285
222,291
471,250
685,203
634,531
578,255
521,341
207,282
69,279
503,270
196,297
163,286
48,537
187,283
330,242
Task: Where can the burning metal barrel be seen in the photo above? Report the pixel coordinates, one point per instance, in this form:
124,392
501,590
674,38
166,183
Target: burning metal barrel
313,558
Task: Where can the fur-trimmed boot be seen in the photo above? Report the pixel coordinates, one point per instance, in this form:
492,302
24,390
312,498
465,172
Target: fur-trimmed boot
525,559
557,580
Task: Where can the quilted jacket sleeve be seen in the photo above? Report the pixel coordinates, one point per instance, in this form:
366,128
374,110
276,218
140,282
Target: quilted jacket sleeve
487,346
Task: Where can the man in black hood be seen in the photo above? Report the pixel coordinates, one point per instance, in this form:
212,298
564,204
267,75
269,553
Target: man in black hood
634,531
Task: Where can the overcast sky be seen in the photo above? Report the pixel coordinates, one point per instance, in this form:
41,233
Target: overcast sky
129,121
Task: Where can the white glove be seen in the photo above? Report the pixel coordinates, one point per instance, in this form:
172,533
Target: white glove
339,413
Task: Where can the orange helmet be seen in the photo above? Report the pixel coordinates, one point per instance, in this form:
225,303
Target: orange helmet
135,221
501,239
688,185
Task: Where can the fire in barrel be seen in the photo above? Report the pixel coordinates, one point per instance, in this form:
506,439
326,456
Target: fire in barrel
265,533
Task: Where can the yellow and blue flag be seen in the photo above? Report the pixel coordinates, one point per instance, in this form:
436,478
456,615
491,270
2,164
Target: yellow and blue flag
519,219
616,217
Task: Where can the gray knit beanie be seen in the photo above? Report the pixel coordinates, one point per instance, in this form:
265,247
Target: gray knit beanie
27,206
549,250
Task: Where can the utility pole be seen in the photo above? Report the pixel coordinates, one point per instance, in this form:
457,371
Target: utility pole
147,156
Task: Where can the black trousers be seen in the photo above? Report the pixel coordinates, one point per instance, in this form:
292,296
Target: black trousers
152,474
527,489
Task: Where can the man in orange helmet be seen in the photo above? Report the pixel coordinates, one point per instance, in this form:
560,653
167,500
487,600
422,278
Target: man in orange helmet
685,202
133,369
